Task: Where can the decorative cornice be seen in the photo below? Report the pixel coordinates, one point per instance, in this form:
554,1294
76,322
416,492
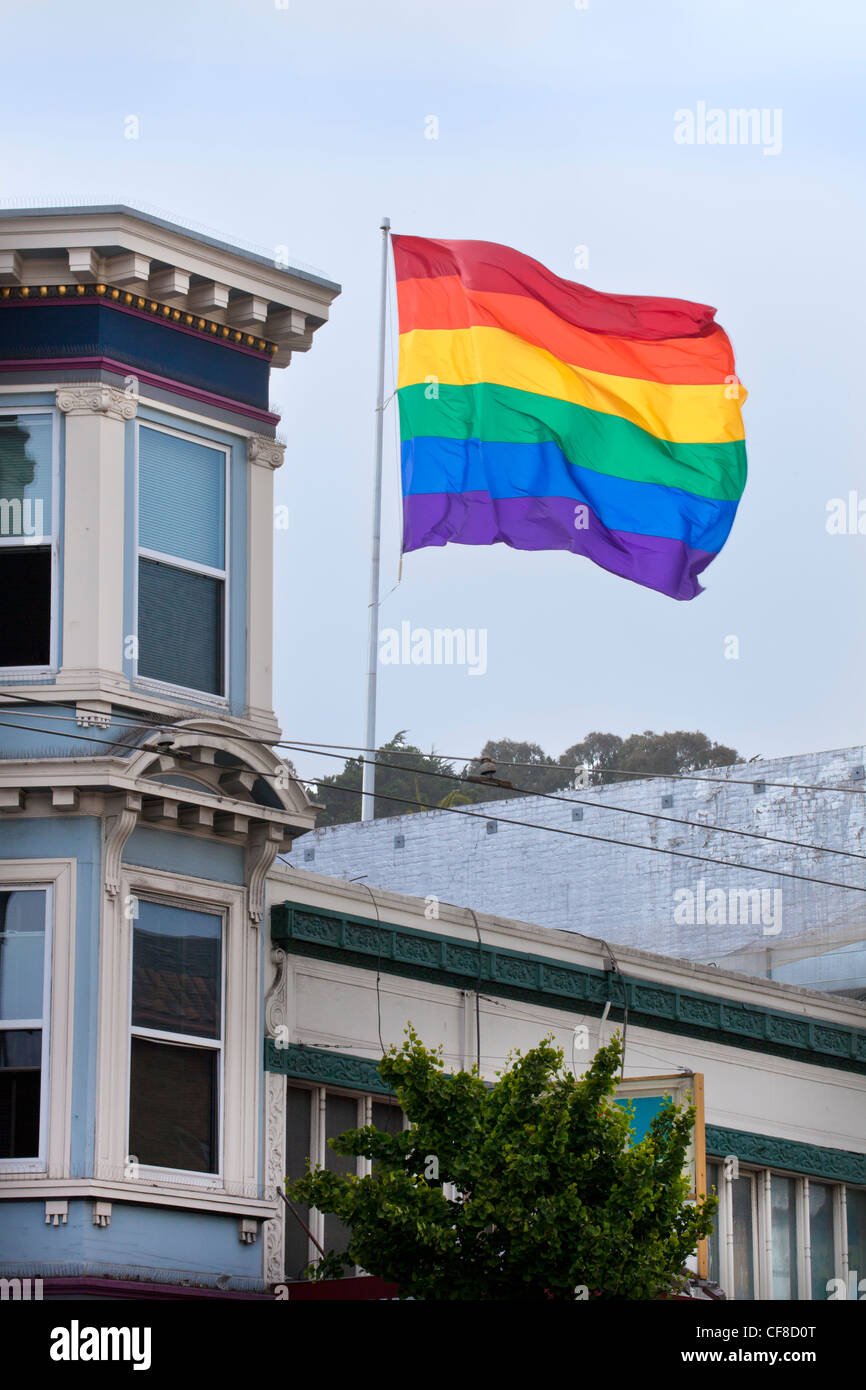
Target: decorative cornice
115,297
837,1165
96,399
325,1068
267,452
559,984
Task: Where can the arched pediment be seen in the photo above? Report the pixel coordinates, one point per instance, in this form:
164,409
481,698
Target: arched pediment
200,755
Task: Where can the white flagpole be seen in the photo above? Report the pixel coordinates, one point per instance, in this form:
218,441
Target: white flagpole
368,801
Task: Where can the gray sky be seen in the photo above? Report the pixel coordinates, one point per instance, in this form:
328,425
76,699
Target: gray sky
302,125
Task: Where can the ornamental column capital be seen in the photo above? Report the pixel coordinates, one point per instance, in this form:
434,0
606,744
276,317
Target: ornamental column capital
266,452
96,399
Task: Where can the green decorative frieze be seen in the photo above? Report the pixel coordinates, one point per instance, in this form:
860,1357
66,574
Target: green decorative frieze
833,1165
323,1067
520,975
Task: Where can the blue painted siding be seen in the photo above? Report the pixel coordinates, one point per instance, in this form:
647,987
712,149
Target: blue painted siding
140,1240
184,854
52,733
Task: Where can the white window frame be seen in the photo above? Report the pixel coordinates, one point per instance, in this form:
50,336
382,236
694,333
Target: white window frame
218,701
240,1181
36,1162
214,1178
762,1229
58,878
318,1094
9,675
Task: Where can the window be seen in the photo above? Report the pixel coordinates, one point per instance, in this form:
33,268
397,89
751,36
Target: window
742,1201
23,1030
856,1208
714,1185
783,1197
785,1244
821,1237
182,596
175,1071
26,540
313,1116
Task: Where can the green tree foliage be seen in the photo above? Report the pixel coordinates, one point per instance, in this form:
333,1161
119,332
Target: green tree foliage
403,771
425,778
640,754
552,1198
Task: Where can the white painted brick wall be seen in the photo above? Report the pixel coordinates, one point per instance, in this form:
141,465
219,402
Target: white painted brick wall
628,895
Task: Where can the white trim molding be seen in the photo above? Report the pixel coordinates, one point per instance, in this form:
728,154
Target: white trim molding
263,843
238,1176
118,829
279,1004
57,875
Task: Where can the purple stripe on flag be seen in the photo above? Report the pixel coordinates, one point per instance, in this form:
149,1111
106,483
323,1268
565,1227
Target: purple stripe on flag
549,523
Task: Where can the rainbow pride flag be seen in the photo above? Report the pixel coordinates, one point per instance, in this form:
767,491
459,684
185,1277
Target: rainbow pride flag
540,413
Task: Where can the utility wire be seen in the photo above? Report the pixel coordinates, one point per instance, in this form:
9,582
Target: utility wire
521,791
308,745
508,820
560,767
603,839
627,811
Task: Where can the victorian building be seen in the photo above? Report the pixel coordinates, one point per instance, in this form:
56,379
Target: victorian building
141,801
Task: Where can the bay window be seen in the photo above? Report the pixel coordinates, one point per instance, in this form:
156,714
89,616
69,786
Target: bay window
182,561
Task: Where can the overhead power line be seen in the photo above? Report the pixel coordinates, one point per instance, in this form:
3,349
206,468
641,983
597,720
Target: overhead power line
620,810
521,791
312,745
528,825
603,839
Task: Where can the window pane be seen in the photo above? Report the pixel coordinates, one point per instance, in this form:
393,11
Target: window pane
25,475
180,627
821,1237
714,1183
176,970
744,1264
297,1153
784,1203
22,954
25,607
181,498
388,1118
20,1060
173,1106
341,1113
856,1241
